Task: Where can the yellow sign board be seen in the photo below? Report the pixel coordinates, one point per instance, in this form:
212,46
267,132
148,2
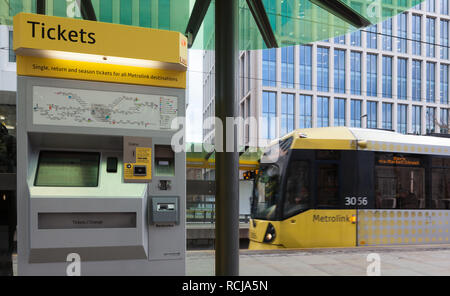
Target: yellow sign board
57,47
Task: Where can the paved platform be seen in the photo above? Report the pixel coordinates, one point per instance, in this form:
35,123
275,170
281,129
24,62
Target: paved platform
423,260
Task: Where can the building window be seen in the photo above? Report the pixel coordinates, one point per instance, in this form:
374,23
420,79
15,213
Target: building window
322,111
11,54
242,75
249,81
355,116
387,116
402,123
387,33
444,84
355,73
269,67
287,67
399,187
339,39
444,6
339,71
444,39
287,113
440,184
372,37
372,114
431,119
269,113
430,6
417,120
416,80
431,82
305,111
372,75
430,37
416,34
402,71
339,112
322,69
305,67
387,77
355,38
402,26
444,121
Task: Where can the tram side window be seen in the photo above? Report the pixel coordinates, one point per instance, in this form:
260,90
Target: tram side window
297,188
440,183
400,187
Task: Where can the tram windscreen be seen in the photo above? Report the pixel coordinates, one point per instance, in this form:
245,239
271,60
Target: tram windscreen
266,193
67,169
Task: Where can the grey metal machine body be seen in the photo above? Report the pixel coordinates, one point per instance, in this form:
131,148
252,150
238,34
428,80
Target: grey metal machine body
107,225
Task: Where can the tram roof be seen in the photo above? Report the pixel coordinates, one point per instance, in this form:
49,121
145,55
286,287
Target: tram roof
202,155
344,138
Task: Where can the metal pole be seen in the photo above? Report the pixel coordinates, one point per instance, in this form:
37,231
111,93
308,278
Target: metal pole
227,162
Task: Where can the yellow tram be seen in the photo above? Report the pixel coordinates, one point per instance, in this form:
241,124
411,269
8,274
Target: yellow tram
343,187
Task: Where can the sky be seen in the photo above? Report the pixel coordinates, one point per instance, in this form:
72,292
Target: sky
194,111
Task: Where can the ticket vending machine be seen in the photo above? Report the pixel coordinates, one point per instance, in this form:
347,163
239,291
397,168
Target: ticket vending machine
100,189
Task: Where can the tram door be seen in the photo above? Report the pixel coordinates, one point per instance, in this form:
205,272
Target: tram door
327,185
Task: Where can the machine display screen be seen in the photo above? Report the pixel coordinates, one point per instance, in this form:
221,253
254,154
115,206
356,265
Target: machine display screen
67,169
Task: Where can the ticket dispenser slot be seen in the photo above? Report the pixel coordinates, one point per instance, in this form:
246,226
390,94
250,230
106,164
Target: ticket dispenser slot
165,210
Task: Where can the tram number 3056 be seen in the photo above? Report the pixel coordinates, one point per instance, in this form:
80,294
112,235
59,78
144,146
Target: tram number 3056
356,201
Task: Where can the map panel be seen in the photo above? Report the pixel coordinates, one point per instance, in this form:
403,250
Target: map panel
106,109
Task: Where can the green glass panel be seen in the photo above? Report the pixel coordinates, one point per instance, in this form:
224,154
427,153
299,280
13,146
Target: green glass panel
125,12
105,13
60,8
145,13
292,21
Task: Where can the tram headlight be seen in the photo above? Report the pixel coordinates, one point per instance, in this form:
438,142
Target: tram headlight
270,234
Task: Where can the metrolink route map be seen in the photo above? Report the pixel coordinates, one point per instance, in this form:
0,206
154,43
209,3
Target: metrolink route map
92,108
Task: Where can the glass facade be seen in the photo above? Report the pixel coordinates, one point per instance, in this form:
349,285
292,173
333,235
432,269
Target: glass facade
387,34
402,77
372,112
372,74
416,34
322,111
11,54
430,37
431,72
372,37
269,113
322,68
443,122
444,39
355,73
305,115
431,120
339,71
416,80
387,116
287,113
402,122
269,65
387,77
402,32
287,67
305,67
339,112
417,120
444,84
355,113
